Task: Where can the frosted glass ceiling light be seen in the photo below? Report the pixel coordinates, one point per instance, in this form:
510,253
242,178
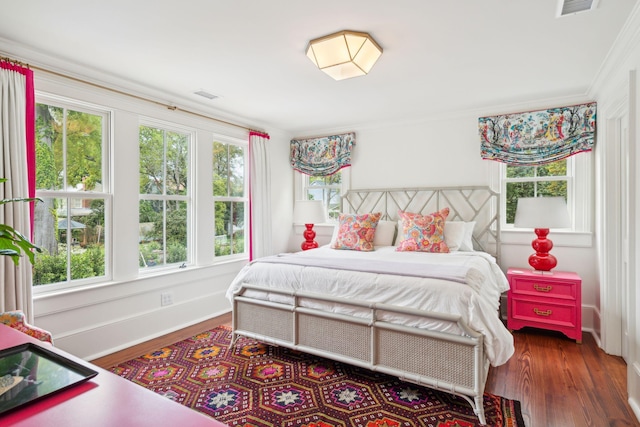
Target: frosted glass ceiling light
344,54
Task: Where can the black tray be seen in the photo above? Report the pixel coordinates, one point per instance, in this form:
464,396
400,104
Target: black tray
29,373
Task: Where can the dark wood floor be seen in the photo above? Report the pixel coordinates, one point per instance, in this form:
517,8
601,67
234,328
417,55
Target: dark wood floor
558,382
563,384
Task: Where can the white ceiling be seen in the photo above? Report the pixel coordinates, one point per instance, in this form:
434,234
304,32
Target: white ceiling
440,56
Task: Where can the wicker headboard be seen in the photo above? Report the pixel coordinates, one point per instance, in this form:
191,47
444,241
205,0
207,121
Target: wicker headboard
479,204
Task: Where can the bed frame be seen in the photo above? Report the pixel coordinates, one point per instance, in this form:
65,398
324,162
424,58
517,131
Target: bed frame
451,363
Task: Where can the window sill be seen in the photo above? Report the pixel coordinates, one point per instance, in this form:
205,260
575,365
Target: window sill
52,290
573,239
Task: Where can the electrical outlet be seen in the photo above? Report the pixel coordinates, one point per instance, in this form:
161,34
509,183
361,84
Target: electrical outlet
166,298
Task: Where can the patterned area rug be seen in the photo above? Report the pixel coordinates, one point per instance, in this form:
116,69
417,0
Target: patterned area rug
258,385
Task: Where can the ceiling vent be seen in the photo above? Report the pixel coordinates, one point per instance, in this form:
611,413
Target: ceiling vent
206,94
570,7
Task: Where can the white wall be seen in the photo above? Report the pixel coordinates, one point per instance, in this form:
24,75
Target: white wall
426,154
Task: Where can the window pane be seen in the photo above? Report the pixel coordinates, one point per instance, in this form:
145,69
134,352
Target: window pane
84,151
220,169
334,204
237,227
74,163
151,246
236,175
177,147
70,230
229,198
515,190
162,221
230,228
49,122
558,168
86,229
51,264
151,160
520,171
551,189
334,179
228,170
176,231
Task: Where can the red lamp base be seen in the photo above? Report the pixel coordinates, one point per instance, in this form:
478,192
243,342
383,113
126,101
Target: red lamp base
542,260
309,235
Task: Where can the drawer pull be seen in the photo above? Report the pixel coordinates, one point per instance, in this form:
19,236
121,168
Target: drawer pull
540,288
542,313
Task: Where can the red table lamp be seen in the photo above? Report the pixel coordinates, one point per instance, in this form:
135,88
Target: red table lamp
541,214
309,212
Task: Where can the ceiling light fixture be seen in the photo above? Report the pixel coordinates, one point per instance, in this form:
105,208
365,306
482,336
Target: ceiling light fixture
344,54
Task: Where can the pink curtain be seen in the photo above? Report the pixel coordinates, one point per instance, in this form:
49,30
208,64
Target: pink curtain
17,165
30,129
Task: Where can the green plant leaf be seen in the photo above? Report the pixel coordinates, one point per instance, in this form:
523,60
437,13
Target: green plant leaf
20,199
12,242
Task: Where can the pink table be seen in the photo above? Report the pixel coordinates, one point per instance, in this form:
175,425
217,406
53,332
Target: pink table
105,400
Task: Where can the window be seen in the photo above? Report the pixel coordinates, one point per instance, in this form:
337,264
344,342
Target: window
165,204
552,179
230,197
71,223
325,188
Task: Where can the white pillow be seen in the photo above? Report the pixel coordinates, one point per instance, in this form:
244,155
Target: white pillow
454,234
467,241
384,235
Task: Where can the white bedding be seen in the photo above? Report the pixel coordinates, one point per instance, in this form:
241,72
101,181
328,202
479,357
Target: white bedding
476,301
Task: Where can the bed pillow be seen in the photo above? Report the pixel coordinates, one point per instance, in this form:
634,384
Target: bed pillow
454,233
385,233
459,235
422,233
384,236
467,241
356,232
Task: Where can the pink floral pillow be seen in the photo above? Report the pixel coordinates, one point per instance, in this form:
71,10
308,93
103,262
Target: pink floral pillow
422,233
355,232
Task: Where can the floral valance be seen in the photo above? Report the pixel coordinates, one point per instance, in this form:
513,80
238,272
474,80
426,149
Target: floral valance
322,156
538,137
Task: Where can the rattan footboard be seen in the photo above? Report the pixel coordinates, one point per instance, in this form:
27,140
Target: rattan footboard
452,363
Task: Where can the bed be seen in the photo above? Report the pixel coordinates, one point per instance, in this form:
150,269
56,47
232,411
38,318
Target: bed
427,318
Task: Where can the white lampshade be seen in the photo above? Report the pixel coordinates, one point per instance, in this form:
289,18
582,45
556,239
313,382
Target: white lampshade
309,212
344,54
542,212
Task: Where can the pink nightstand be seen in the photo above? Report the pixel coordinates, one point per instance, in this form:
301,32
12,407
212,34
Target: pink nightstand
549,301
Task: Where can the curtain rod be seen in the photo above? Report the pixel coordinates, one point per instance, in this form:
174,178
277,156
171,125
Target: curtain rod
13,61
323,136
141,98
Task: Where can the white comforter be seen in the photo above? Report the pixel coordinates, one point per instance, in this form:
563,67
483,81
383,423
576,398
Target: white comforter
476,301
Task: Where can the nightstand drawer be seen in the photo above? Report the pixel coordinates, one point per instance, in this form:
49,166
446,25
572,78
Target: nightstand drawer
543,312
543,288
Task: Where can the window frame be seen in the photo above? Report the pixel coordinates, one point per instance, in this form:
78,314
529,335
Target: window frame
187,198
229,140
106,194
